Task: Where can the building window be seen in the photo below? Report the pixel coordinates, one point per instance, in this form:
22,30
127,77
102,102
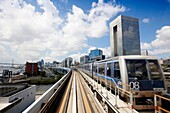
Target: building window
115,40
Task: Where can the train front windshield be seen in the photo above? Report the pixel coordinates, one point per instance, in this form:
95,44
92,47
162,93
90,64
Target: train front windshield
143,70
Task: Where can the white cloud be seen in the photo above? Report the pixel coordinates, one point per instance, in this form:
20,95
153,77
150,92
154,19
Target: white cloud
146,20
146,46
27,34
106,51
76,56
161,45
162,38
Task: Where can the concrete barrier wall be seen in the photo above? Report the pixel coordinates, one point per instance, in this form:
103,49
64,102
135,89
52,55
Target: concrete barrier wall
28,97
36,106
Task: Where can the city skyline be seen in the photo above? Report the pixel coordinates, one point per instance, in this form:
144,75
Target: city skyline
53,30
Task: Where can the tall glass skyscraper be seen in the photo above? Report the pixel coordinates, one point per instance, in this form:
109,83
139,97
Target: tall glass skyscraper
124,36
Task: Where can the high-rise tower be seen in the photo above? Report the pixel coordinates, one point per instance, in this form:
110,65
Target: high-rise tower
124,36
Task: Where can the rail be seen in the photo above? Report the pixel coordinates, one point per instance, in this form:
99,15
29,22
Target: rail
46,97
65,100
158,108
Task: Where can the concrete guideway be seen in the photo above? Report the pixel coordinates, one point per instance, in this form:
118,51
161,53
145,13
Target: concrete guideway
64,102
78,97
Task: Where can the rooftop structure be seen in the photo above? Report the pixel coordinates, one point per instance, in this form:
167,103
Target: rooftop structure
15,98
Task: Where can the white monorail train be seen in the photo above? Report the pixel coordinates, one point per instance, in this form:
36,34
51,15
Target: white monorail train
143,73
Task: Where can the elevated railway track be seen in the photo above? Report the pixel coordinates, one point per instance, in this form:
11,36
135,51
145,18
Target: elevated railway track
79,93
78,98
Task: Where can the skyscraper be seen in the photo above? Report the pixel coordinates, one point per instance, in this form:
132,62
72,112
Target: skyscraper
124,36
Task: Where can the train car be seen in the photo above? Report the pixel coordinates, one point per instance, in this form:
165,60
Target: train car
143,75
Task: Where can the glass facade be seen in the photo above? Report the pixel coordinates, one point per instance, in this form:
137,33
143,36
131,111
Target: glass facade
95,53
124,37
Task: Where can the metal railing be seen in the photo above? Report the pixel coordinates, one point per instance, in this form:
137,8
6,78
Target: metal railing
159,108
120,91
38,104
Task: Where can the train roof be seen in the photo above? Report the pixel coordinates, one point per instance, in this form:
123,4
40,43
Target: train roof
129,57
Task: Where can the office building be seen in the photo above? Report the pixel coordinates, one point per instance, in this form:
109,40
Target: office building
124,36
67,62
96,55
84,59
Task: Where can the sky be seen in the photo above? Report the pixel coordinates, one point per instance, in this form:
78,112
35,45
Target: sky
31,30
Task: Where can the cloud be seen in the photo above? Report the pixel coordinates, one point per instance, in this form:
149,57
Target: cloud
146,20
161,44
146,46
31,34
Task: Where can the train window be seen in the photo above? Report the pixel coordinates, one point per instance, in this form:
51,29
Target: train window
117,70
101,68
137,69
155,70
109,69
94,68
87,67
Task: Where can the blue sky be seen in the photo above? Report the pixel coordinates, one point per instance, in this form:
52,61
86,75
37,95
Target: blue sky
56,29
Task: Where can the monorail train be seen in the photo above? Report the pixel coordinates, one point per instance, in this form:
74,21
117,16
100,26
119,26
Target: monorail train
143,74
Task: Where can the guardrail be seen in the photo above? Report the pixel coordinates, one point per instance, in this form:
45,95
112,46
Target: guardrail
158,108
129,94
38,104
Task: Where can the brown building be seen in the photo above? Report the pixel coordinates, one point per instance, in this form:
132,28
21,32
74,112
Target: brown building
31,68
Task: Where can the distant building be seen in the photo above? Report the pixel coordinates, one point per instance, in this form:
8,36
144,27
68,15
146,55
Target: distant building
84,59
67,62
97,58
31,68
166,62
96,55
124,36
40,65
